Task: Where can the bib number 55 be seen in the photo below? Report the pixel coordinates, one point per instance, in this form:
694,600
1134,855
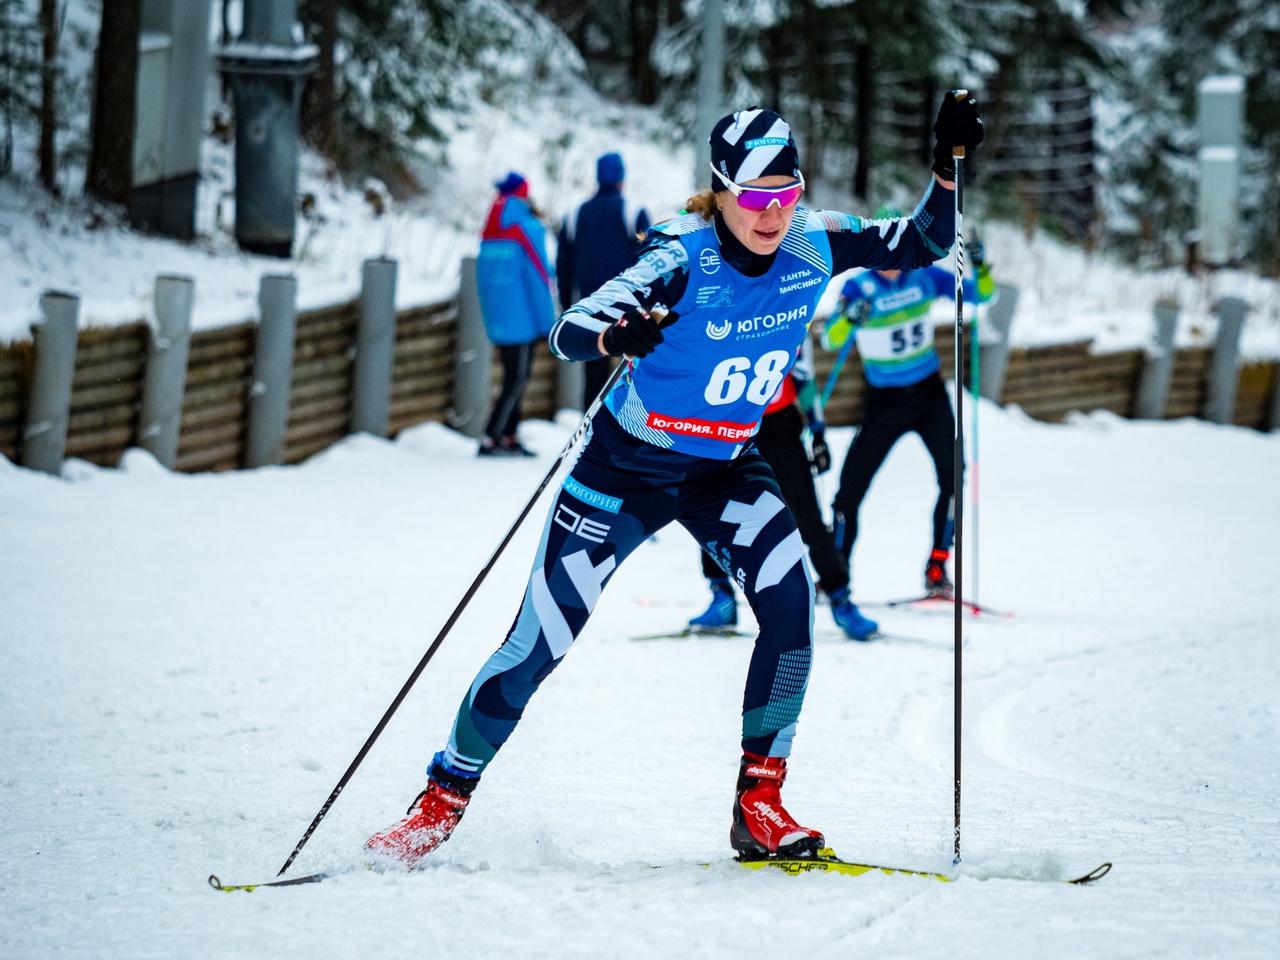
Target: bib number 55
729,380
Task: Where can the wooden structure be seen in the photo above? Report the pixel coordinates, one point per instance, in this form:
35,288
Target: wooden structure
1046,382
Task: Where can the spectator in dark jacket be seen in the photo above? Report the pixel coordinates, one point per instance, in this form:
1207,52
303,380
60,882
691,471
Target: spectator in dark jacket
597,243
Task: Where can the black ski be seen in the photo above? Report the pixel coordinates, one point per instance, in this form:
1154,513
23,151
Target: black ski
250,887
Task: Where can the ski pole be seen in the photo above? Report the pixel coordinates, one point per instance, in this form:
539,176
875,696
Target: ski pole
453,617
829,387
976,394
957,155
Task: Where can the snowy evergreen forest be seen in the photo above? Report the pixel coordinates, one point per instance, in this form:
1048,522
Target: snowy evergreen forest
1090,104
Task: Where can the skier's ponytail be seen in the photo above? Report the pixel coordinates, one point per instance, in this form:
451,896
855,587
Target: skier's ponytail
704,205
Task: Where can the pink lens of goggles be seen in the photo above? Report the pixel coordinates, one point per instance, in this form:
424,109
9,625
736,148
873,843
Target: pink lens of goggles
755,198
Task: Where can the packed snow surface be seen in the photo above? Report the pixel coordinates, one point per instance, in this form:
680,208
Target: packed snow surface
190,662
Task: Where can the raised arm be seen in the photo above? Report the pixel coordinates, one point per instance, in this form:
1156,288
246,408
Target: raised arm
657,278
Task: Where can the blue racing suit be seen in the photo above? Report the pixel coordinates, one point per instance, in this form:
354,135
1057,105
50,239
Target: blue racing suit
674,444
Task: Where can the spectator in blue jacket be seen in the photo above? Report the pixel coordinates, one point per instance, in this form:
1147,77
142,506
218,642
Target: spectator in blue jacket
597,243
515,282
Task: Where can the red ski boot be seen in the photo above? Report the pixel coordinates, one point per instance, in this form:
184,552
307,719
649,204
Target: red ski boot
762,828
936,581
431,818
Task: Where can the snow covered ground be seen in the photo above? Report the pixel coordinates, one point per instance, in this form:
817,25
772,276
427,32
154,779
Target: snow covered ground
188,663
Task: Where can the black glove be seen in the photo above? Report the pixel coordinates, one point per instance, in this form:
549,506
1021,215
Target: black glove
821,458
635,335
977,253
958,125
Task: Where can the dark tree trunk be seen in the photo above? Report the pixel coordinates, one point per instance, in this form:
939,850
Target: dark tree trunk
864,98
644,26
774,68
49,95
110,173
929,106
319,110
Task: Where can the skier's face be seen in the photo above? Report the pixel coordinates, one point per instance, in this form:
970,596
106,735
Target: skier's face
760,231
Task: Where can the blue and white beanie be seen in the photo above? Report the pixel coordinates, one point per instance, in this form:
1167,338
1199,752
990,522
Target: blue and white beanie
753,143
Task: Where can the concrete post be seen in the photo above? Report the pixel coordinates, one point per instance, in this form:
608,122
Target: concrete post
473,366
375,349
1221,128
571,380
1224,378
994,341
1273,422
165,380
1157,365
272,371
44,442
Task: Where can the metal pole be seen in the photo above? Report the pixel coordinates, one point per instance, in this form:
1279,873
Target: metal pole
570,382
473,363
1223,376
1157,364
44,441
272,371
958,497
165,381
375,349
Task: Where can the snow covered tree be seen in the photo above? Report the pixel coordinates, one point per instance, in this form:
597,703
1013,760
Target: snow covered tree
1163,49
20,55
1238,37
399,64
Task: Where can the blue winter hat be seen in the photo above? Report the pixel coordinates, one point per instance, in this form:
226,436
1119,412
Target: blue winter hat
753,143
511,183
609,170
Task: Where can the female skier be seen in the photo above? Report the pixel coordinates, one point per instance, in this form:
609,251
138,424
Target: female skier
742,273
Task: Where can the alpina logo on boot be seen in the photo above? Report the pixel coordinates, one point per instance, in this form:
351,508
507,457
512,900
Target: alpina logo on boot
768,813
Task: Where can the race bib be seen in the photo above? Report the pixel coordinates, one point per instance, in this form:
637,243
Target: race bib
901,341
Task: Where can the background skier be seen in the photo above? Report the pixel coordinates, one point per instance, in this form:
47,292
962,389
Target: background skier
888,311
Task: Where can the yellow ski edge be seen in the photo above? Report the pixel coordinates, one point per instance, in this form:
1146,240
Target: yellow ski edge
219,885
827,862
